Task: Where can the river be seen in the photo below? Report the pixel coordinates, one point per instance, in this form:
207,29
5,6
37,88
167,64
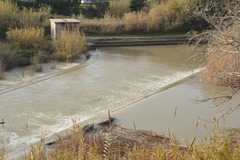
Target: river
113,78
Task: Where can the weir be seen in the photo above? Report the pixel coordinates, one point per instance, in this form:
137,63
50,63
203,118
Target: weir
119,77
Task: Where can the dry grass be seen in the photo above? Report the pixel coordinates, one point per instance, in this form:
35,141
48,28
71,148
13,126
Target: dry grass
69,46
222,145
11,17
2,69
2,155
36,62
9,13
8,57
27,38
34,18
168,16
135,21
106,25
117,8
74,146
110,24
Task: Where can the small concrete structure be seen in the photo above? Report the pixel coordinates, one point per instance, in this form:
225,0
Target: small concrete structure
60,26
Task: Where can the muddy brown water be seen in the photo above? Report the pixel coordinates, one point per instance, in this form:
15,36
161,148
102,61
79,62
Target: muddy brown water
114,79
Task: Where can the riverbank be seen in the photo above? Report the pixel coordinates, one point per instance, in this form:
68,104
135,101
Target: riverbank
145,121
25,76
152,114
56,88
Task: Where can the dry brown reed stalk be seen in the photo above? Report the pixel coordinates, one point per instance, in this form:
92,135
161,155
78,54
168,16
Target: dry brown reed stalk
75,146
2,154
8,56
37,152
53,64
2,69
36,61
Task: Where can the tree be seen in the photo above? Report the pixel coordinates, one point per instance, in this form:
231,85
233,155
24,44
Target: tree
222,57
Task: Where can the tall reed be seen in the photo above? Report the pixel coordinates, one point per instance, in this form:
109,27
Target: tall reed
9,14
117,8
34,17
8,57
162,17
69,46
27,38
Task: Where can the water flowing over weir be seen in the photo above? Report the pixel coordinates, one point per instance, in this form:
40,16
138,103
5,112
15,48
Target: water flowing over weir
115,78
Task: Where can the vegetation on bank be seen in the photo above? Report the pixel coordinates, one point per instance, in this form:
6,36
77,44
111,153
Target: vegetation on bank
169,16
25,38
68,47
26,29
220,146
223,52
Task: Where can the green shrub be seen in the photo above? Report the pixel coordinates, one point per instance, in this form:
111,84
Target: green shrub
27,38
69,46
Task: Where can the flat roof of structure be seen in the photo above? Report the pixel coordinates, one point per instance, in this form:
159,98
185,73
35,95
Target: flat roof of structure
62,20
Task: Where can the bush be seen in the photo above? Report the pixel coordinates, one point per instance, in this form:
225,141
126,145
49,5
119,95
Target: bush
34,17
135,21
8,16
12,17
117,8
158,17
223,58
8,57
27,38
172,15
111,25
69,46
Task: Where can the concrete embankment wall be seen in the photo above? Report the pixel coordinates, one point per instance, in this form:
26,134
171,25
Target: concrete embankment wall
135,41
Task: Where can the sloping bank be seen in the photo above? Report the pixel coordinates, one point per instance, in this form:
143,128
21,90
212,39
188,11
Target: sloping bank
94,42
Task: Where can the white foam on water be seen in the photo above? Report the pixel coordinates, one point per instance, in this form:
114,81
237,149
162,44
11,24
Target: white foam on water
7,136
137,91
146,87
63,123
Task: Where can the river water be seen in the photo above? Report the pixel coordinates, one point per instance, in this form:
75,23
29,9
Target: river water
112,79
